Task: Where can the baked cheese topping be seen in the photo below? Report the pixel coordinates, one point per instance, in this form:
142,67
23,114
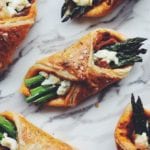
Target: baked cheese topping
141,141
9,142
63,88
13,7
107,56
51,79
83,2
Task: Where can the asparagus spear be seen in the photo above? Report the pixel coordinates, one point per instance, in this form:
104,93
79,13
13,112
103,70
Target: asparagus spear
74,9
45,98
8,127
37,90
1,136
148,131
34,81
64,9
74,12
139,118
125,62
127,52
126,45
66,18
40,93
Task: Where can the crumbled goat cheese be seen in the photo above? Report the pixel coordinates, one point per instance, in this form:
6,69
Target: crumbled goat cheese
141,141
63,88
107,56
9,142
15,6
51,80
83,2
44,74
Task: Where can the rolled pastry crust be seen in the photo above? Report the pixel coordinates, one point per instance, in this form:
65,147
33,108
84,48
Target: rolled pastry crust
29,137
76,64
122,133
12,32
103,9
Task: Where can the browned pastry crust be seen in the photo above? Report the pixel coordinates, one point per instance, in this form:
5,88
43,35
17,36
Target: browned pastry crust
76,64
124,128
103,9
33,138
12,32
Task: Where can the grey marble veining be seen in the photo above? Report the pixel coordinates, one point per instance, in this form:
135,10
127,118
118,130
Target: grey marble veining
86,127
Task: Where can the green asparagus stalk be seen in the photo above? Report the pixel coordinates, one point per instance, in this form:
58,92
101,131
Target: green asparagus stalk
40,92
74,10
123,63
45,98
127,45
139,118
8,127
127,52
1,136
34,81
64,9
37,90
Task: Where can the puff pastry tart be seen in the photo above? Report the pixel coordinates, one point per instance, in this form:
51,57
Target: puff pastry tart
16,133
133,129
97,60
87,8
16,18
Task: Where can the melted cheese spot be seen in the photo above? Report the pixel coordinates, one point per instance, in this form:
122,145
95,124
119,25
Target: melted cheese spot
13,7
83,2
64,87
44,74
141,141
9,142
51,80
107,56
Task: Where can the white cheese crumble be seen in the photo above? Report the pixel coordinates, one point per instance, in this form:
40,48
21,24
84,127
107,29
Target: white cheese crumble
107,56
51,80
67,12
83,2
64,87
15,6
9,142
44,74
141,141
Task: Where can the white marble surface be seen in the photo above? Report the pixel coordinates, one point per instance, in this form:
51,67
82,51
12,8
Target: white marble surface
85,127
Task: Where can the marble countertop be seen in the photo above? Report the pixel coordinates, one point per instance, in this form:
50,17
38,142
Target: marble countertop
86,127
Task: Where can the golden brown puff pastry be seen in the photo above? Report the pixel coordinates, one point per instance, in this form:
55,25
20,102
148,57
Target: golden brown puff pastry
97,8
132,130
76,64
122,130
103,9
13,30
29,137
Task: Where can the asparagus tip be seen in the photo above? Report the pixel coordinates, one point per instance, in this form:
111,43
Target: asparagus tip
65,19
